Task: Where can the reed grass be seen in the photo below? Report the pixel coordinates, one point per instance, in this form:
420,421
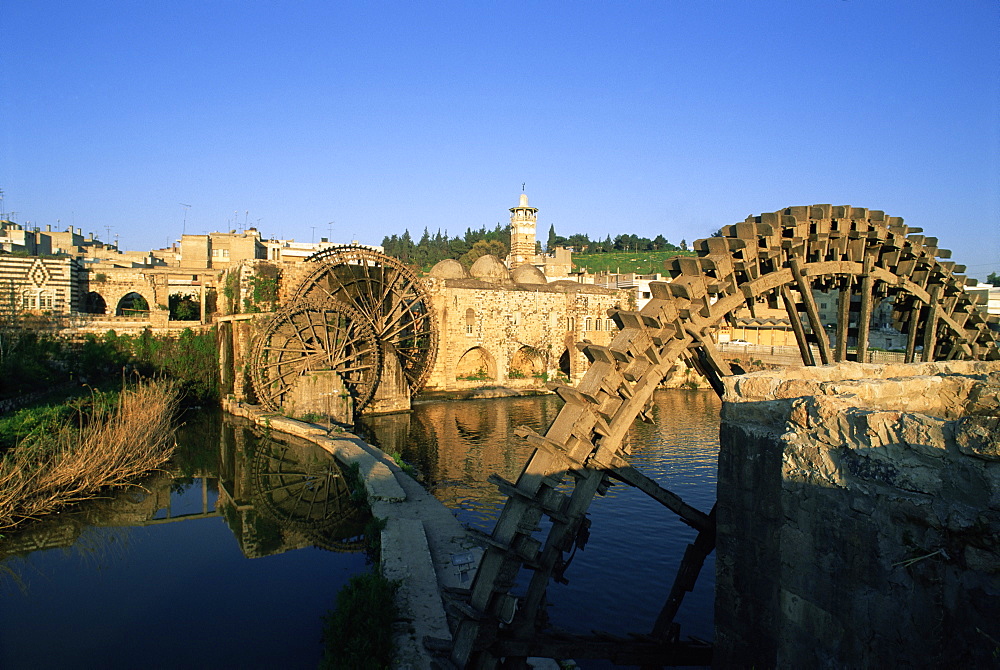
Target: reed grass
108,446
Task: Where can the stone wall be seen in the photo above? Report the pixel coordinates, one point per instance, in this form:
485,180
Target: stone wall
859,517
516,335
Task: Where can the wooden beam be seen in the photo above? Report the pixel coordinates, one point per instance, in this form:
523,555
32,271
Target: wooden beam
843,320
800,332
690,515
930,327
911,335
815,324
865,316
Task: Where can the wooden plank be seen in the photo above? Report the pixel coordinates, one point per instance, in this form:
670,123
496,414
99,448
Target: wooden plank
865,316
843,321
930,326
815,324
691,516
800,333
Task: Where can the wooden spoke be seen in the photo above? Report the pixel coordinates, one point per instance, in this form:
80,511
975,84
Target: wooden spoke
843,320
312,336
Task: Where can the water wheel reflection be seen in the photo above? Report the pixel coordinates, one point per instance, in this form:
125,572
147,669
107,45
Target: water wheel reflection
298,489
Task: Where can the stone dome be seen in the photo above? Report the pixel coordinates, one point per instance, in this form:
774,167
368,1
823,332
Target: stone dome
490,268
529,274
449,268
524,200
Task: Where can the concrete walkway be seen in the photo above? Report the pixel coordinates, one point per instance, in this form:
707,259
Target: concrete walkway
423,544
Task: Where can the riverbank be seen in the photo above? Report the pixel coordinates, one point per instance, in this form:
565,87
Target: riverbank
423,544
478,394
114,441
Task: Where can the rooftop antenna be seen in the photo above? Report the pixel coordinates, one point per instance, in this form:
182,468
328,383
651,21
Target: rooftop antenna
2,215
329,233
246,218
185,224
108,229
312,240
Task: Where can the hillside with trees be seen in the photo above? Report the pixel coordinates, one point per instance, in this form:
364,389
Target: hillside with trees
621,251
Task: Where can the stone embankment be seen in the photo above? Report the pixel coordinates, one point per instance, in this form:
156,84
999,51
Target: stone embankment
859,517
423,544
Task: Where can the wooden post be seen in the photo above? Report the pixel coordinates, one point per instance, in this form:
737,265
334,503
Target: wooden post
805,290
865,316
843,320
800,333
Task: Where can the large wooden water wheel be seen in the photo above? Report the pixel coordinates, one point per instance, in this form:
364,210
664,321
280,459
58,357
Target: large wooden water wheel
385,292
316,336
861,256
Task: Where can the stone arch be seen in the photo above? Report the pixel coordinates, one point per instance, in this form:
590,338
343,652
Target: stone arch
476,364
94,303
132,304
527,362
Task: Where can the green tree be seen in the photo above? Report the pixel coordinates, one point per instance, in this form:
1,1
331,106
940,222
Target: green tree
482,248
993,278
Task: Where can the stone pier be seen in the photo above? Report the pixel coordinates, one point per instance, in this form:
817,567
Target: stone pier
859,517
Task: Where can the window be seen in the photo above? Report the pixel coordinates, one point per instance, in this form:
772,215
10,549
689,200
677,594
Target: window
598,323
470,320
587,328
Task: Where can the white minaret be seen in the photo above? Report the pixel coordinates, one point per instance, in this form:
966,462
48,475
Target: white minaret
522,233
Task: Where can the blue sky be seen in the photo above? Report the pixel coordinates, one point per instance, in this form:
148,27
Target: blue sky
672,118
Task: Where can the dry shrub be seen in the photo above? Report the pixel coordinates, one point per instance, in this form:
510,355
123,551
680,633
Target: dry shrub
112,447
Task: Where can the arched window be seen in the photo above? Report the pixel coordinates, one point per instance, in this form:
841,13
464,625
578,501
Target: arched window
132,304
570,323
95,304
587,327
470,320
598,323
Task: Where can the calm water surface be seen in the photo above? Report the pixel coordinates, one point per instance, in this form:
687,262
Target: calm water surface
231,558
621,580
218,563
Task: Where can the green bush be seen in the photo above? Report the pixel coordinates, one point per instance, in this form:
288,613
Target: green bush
357,635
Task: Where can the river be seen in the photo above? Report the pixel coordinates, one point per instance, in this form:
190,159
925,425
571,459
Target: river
214,563
619,582
232,556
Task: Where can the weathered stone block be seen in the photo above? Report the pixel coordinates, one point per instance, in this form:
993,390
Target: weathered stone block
859,517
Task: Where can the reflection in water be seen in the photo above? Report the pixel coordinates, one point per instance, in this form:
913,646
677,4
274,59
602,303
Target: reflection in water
456,445
115,578
619,582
